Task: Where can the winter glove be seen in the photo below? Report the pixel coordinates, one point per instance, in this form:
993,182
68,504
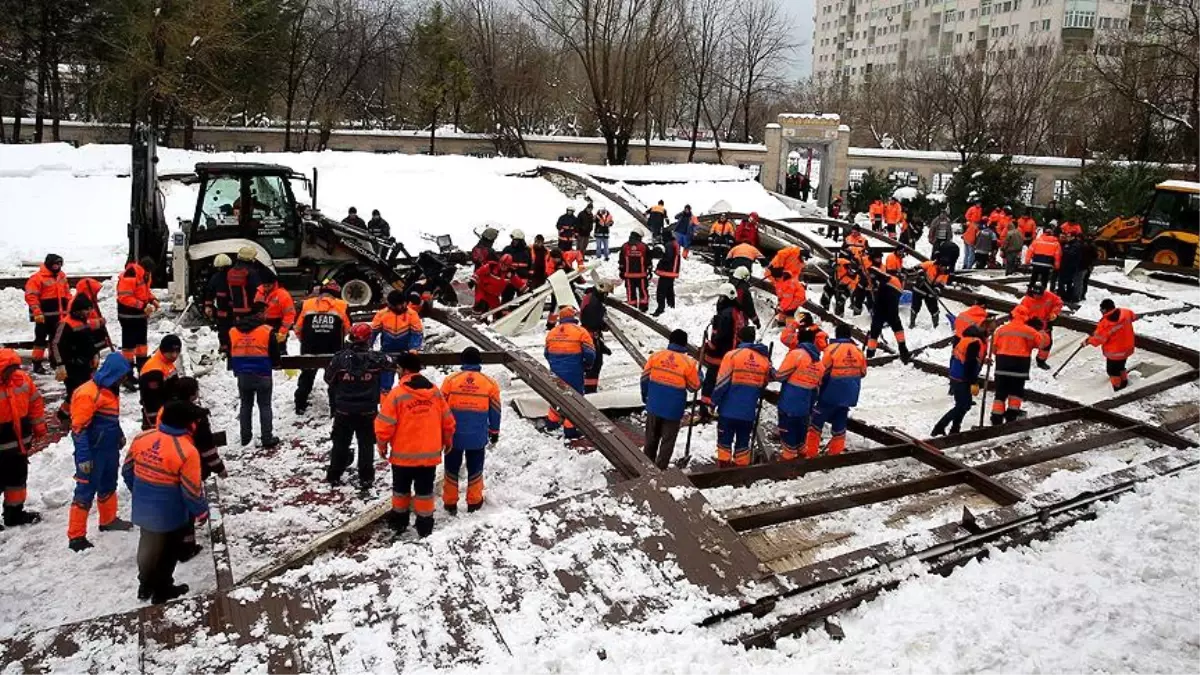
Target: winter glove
495,437
974,390
202,518
382,451
149,310
85,468
60,374
281,337
605,350
39,319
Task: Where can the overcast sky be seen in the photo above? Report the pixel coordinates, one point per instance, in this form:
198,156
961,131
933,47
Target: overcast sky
801,12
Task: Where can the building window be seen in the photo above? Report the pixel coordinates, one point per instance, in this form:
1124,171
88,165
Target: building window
1033,26
856,177
940,181
1027,191
1045,24
1079,19
1062,189
958,39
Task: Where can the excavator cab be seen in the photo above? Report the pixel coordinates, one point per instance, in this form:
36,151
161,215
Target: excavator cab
1166,230
249,201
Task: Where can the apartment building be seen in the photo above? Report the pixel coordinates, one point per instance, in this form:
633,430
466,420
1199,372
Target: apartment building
854,38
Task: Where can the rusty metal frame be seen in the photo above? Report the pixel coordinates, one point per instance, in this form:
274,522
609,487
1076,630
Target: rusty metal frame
434,359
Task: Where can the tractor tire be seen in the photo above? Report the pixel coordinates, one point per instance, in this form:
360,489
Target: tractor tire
360,290
1102,254
1166,255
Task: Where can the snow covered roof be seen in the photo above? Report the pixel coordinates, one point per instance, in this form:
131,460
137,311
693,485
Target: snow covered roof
832,117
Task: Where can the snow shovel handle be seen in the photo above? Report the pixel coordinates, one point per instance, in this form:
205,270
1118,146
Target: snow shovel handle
687,447
987,377
1064,363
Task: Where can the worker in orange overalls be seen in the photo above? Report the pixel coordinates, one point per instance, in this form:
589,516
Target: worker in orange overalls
47,293
856,241
135,304
1070,228
886,312
966,360
277,307
1043,305
745,372
253,355
1014,343
792,295
163,472
73,352
928,282
96,433
893,262
845,367
416,424
970,235
801,328
667,378
1114,336
570,352
90,290
1028,227
841,283
399,329
720,239
157,378
474,400
321,326
1044,256
875,213
789,259
893,213
22,421
801,375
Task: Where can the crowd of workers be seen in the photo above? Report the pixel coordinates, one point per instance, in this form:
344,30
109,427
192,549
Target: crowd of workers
381,402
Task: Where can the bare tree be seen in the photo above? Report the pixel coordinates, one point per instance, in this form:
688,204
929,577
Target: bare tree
762,37
614,43
706,28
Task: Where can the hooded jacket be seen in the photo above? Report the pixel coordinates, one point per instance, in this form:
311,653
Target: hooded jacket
744,373
96,410
162,471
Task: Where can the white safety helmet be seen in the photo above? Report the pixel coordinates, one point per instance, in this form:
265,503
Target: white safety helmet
518,234
605,287
727,290
741,273
222,260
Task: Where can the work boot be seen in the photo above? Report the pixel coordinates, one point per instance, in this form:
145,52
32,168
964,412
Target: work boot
424,526
63,415
905,357
912,320
168,594
398,521
301,408
956,429
1119,387
452,509
130,385
271,443
472,508
938,431
80,544
1013,414
658,312
144,592
246,440
17,515
117,525
1041,363
39,367
997,419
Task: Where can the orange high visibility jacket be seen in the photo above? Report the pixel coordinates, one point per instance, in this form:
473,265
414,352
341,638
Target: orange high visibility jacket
47,294
152,381
842,272
933,274
1028,226
1044,251
893,262
971,233
1071,228
1019,339
722,229
666,379
974,214
415,421
856,242
892,213
971,316
280,308
21,406
133,291
791,293
800,374
744,250
1114,334
323,304
474,400
1046,307
790,259
875,210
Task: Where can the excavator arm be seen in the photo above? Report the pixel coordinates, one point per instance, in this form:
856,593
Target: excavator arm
148,233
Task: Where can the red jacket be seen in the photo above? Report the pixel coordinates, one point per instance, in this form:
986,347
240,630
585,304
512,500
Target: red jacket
491,280
747,231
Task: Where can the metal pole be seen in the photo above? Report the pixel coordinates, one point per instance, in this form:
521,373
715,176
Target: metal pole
991,358
682,462
1064,363
758,413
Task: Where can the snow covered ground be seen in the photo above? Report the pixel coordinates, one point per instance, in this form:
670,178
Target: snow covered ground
1119,591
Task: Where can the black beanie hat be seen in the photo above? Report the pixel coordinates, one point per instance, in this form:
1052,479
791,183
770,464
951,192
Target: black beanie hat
170,343
679,337
178,414
471,357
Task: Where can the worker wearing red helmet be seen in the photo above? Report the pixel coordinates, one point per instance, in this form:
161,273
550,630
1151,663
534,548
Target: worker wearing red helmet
493,280
321,326
354,375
